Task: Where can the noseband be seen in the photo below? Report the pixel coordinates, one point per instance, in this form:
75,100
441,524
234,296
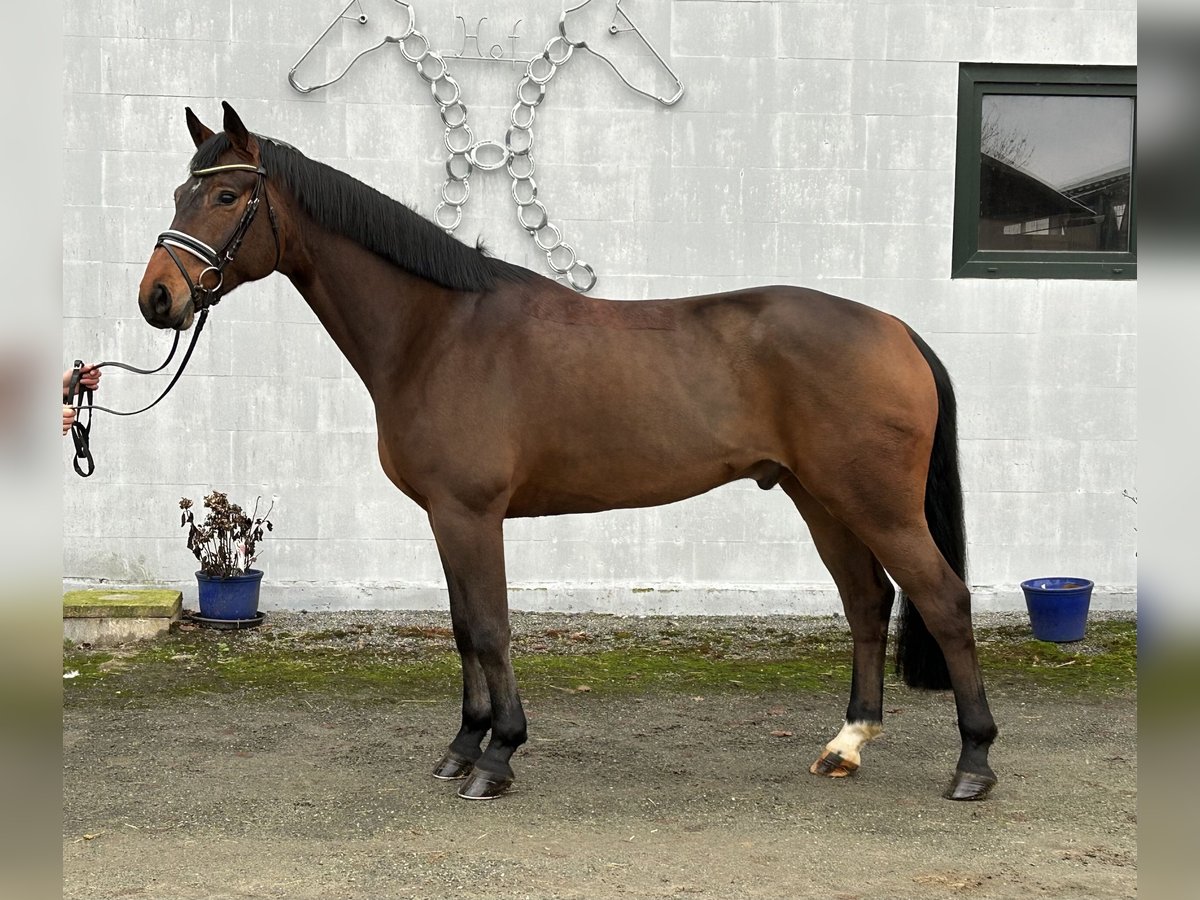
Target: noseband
217,260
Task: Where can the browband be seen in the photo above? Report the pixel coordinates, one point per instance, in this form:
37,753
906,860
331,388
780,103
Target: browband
230,167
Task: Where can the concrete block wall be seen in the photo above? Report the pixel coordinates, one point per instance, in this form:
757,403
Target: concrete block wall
814,145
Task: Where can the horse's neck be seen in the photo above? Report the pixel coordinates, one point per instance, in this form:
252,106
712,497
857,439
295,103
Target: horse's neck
378,314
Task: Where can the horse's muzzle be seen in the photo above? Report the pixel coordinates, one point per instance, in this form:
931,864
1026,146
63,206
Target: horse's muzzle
157,305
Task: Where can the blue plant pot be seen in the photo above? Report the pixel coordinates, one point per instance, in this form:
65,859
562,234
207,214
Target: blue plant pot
1058,607
233,598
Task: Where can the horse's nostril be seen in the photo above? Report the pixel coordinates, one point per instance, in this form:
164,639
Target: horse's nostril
160,301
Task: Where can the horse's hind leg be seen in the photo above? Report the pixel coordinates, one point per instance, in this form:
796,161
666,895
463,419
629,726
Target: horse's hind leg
867,597
944,602
472,550
891,521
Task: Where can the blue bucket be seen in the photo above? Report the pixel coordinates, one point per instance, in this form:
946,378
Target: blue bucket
1058,607
234,598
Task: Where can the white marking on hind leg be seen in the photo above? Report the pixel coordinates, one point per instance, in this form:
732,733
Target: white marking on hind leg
852,738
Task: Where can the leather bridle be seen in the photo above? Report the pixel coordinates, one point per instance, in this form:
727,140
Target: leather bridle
203,298
217,260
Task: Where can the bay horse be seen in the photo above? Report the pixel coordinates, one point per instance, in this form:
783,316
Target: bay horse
500,393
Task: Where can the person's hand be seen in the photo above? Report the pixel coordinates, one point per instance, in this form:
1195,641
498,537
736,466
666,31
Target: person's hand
68,418
89,378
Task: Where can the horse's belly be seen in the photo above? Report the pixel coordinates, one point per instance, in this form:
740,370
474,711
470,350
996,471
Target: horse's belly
613,486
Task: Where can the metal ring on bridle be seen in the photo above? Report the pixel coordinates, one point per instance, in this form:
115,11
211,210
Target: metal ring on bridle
216,287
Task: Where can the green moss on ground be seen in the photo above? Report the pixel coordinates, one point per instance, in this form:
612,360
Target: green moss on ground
200,662
1105,661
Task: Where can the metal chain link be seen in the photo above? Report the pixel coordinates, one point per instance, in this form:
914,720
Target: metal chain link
515,154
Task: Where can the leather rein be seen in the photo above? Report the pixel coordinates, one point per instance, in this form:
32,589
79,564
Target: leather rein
203,299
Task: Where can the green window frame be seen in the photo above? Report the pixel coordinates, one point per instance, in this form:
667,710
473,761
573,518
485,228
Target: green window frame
978,81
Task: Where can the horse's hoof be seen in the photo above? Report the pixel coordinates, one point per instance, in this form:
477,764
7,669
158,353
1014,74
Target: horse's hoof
483,786
969,786
832,765
453,767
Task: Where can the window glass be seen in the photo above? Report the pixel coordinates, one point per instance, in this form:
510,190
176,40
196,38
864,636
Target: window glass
1054,172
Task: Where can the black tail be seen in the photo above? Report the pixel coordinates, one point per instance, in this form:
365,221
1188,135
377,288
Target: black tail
919,659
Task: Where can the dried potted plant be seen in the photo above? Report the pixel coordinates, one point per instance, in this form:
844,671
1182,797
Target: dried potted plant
226,544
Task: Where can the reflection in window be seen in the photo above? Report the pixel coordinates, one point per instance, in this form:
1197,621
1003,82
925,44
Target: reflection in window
1055,172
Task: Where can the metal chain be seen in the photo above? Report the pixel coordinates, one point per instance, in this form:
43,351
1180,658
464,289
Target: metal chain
515,154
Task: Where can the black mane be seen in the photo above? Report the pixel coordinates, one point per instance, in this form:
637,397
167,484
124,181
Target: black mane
346,206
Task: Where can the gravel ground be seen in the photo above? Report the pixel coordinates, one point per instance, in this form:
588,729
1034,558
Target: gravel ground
660,787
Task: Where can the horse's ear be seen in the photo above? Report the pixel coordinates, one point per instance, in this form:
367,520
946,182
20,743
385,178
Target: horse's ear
238,135
200,131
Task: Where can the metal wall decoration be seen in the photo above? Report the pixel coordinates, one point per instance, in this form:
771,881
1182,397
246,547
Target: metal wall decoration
515,152
495,52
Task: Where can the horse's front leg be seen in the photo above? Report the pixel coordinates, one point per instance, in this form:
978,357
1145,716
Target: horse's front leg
472,551
476,701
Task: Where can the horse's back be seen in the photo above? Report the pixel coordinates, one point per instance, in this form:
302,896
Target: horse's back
749,352
767,314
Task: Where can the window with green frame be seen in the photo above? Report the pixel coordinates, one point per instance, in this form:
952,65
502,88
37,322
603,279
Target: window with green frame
1044,181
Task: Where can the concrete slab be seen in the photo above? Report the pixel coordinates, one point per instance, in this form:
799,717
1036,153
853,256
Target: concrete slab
105,616
123,603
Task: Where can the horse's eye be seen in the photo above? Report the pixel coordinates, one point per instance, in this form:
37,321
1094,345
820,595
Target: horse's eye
226,197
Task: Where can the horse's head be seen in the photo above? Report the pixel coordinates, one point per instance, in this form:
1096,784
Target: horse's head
219,237
592,25
361,26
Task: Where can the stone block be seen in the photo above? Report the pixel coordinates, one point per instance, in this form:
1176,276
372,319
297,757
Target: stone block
106,616
122,604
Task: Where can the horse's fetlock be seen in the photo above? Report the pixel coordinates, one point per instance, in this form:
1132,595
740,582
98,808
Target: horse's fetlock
510,734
